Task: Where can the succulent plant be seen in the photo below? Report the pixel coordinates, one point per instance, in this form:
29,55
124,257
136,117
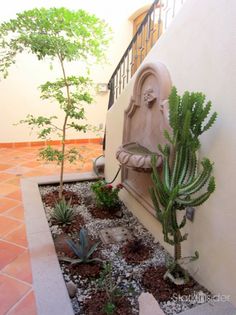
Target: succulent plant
82,249
107,283
180,183
62,212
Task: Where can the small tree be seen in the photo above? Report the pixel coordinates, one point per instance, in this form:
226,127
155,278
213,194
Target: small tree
64,36
181,181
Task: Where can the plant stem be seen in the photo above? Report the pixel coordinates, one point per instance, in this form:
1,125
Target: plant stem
177,247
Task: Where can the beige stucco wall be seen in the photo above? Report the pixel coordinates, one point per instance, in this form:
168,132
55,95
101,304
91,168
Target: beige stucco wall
199,51
19,93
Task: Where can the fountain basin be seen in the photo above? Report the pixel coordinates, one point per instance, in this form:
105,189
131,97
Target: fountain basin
137,157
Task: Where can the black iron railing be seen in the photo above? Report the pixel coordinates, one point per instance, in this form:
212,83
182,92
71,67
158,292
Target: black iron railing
156,21
146,36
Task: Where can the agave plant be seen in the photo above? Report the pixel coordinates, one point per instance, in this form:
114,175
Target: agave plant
181,181
63,213
82,249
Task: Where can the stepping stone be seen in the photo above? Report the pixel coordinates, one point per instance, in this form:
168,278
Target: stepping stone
148,305
117,234
212,308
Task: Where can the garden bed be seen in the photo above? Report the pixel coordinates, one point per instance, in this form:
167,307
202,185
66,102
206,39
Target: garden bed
137,264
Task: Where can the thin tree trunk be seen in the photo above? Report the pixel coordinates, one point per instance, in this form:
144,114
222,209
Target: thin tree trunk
63,159
64,128
177,249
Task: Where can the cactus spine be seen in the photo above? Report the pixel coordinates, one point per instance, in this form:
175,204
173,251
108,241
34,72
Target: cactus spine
180,182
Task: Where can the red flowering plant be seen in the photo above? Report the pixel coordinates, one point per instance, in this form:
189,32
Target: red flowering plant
106,194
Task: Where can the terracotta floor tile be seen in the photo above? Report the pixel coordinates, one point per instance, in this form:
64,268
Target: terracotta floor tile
35,173
8,252
17,213
14,259
18,236
19,170
6,189
27,306
20,268
7,225
6,204
11,291
16,195
14,181
4,166
31,164
5,177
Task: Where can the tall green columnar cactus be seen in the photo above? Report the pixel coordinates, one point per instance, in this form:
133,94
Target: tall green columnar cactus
181,181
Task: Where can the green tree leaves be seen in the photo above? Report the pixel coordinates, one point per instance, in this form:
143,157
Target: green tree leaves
54,32
61,35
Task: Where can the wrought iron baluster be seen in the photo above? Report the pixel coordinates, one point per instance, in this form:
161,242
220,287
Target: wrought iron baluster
159,20
128,68
145,37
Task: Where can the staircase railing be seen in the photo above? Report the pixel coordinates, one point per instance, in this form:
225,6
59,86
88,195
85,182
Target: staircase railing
156,21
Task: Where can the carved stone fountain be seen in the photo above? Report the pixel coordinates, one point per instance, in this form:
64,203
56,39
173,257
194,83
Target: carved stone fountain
145,120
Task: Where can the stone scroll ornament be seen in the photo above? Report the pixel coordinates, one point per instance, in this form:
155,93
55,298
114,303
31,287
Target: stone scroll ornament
149,97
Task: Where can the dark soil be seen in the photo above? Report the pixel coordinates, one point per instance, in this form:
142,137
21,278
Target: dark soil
162,289
134,251
96,303
101,213
91,270
51,198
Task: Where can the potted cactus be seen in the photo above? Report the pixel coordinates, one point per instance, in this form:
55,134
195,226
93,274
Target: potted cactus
181,182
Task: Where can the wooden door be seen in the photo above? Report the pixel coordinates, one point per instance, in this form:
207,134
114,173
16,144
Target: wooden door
145,39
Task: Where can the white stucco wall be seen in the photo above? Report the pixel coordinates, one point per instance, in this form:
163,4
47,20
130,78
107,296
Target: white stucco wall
19,93
199,50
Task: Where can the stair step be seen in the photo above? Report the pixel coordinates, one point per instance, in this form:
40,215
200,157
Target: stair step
212,308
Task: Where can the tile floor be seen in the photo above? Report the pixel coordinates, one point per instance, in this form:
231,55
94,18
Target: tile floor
16,291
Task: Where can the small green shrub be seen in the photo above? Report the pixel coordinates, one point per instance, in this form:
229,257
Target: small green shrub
63,213
81,249
106,194
107,283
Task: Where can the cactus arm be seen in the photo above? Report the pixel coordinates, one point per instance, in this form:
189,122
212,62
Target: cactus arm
166,169
184,168
202,181
195,202
156,203
202,177
201,199
191,168
158,188
177,163
210,122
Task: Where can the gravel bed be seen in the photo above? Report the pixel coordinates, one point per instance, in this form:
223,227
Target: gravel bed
128,276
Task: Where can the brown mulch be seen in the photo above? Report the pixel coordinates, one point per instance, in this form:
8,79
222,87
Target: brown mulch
101,213
51,198
162,289
134,251
91,270
97,301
